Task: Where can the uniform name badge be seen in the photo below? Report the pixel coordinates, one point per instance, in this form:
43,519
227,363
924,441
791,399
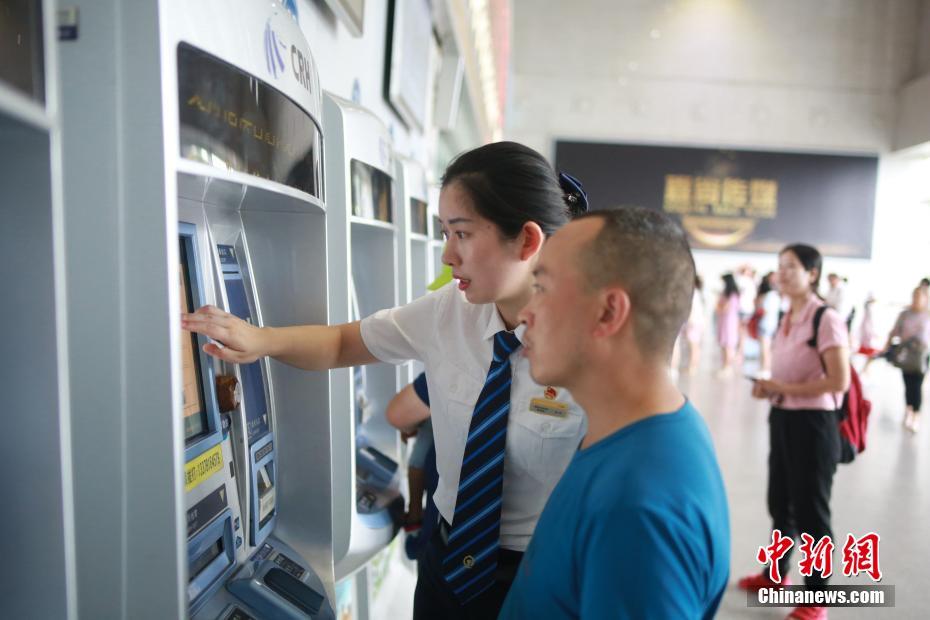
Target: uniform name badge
548,405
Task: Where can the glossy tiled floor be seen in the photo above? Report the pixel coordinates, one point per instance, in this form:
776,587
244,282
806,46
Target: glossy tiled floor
886,490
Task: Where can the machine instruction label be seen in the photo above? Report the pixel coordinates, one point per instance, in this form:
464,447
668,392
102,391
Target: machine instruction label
199,469
206,510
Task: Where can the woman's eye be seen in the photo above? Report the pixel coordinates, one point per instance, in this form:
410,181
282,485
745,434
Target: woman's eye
445,234
459,234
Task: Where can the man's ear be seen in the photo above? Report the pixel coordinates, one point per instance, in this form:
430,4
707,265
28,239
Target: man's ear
532,238
614,312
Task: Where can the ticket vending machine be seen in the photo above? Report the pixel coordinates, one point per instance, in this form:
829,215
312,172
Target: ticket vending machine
414,269
211,499
361,225
193,163
412,198
437,242
245,144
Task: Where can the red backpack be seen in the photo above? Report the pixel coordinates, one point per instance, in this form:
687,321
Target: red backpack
854,412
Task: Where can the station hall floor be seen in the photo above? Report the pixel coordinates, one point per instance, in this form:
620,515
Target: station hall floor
886,490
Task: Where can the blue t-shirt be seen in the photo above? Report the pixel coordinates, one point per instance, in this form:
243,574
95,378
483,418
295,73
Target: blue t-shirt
638,527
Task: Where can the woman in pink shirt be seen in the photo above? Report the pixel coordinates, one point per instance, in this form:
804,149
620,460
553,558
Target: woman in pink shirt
806,389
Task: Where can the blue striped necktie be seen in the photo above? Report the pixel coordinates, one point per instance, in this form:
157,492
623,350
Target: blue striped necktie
474,538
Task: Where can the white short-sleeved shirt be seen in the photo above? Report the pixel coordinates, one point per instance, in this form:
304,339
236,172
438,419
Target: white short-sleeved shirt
454,339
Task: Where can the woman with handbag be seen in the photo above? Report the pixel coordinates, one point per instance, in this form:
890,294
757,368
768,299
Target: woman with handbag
907,348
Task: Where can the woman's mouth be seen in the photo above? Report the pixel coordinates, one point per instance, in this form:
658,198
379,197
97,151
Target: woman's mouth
464,284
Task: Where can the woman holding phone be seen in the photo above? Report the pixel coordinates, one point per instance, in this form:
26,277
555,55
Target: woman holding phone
805,390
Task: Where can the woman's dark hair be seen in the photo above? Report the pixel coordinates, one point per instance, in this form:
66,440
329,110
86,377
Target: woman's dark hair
511,184
765,286
809,258
729,285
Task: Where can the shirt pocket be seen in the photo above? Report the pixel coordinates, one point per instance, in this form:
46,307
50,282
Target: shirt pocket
542,444
460,393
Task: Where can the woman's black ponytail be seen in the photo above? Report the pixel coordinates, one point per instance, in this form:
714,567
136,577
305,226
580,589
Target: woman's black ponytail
511,184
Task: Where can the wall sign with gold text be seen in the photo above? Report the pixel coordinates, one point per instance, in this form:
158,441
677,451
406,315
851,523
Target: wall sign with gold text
751,201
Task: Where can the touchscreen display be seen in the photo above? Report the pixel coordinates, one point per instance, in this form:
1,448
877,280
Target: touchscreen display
195,415
418,216
371,192
253,378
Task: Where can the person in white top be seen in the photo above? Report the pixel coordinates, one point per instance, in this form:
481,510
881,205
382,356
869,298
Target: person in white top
836,298
497,206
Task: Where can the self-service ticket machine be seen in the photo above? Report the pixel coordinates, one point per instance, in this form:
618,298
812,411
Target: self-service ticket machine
193,174
211,498
363,250
413,223
247,153
437,242
411,198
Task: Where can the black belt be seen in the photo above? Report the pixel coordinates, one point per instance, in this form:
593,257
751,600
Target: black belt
506,557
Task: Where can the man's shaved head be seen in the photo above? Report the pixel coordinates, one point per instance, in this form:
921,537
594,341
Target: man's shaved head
647,254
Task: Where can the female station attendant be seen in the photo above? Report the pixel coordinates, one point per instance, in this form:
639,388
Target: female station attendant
502,441
806,387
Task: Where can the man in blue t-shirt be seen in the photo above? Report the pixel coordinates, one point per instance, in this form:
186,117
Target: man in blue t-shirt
638,525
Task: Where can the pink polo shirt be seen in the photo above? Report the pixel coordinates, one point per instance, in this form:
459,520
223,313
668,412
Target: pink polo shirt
794,361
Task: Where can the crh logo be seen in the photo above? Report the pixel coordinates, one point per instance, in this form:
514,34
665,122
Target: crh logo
291,6
274,59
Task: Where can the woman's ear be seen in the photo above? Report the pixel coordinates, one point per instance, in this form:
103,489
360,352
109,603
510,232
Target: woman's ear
532,238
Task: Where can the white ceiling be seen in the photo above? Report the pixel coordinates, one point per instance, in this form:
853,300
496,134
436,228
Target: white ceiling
810,73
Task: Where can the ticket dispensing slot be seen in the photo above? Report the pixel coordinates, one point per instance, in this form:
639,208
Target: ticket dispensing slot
210,554
262,463
210,522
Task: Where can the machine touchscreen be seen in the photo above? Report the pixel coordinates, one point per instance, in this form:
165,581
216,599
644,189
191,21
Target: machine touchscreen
195,414
256,407
371,192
